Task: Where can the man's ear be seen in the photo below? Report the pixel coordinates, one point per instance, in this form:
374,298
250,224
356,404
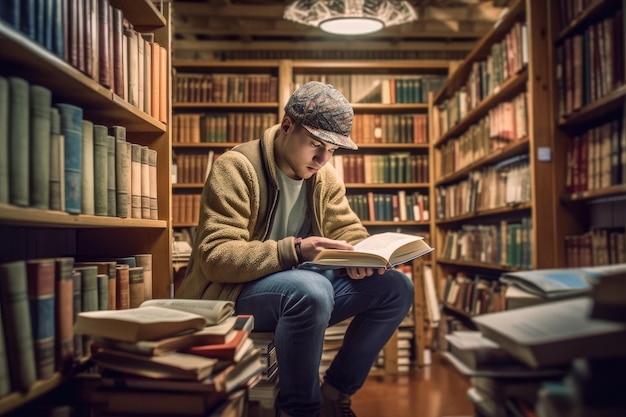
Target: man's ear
286,124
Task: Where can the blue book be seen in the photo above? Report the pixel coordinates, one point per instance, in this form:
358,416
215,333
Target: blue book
57,28
72,130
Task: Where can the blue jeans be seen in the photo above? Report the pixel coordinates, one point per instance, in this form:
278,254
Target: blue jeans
298,305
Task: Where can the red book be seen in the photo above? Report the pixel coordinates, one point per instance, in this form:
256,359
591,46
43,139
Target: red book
232,350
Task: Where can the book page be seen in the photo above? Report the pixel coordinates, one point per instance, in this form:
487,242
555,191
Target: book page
384,244
214,311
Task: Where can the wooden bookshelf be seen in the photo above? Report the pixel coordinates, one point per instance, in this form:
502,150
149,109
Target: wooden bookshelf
31,233
589,138
524,24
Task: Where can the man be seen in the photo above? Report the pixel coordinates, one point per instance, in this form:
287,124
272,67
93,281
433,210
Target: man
272,204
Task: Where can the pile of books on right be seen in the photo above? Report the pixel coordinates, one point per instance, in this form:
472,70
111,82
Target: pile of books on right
562,356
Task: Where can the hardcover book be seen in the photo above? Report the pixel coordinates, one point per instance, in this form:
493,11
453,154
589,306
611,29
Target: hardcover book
71,128
39,187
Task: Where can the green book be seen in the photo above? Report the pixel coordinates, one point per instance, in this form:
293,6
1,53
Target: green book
135,174
40,105
4,140
18,142
89,296
111,197
122,178
101,167
17,327
88,178
103,291
72,130
57,162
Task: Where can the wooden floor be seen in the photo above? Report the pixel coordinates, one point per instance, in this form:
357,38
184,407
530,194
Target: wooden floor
436,390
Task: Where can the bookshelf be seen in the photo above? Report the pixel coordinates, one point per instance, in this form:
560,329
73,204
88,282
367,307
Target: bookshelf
27,232
494,164
587,55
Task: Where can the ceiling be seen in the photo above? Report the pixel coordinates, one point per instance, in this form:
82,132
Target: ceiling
255,29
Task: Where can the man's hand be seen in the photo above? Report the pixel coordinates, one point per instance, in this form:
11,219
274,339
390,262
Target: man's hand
362,272
313,245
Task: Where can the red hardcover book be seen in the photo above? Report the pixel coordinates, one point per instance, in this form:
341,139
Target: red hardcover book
231,350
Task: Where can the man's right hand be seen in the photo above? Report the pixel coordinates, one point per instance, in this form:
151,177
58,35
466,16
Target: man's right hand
313,245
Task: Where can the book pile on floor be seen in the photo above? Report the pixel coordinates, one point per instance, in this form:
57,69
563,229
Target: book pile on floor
171,357
554,359
262,396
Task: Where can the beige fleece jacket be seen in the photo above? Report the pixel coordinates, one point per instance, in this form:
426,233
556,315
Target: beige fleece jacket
238,205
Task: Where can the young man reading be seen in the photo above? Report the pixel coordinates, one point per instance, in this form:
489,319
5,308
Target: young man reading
270,205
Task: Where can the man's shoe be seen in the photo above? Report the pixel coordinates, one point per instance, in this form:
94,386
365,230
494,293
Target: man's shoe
335,403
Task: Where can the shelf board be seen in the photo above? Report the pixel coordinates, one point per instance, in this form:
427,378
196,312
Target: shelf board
613,191
390,146
509,89
227,106
512,149
388,185
597,9
17,399
245,66
28,216
179,186
486,213
210,145
389,107
594,112
476,265
19,53
372,67
143,14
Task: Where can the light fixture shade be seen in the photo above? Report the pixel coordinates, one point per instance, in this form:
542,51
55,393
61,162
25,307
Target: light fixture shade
350,17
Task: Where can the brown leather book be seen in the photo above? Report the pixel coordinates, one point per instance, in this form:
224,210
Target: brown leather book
117,59
104,46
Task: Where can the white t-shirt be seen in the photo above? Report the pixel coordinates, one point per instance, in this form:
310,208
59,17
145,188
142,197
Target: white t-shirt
291,207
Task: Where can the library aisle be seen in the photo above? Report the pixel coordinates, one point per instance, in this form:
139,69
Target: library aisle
437,390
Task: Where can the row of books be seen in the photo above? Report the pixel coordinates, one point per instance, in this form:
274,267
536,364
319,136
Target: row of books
401,206
225,88
545,359
98,40
507,122
390,128
597,158
194,168
597,246
474,295
220,127
590,64
54,159
391,168
507,243
507,58
177,357
41,299
501,185
375,88
186,208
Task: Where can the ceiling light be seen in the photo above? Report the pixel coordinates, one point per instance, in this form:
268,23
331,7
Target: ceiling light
350,17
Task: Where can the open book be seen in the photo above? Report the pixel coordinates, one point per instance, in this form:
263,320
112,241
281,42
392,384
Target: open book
383,250
153,320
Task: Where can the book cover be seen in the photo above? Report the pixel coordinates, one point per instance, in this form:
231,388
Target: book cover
71,128
145,183
111,190
40,104
57,162
233,350
144,260
77,301
553,334
17,325
122,174
152,163
122,292
41,296
135,175
135,286
101,167
173,365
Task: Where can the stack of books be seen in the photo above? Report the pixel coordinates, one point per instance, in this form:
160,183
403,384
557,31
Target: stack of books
262,397
554,359
171,357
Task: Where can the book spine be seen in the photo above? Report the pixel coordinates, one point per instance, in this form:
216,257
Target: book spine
18,146
144,260
122,292
89,297
64,313
135,286
145,183
118,62
152,162
40,104
103,291
77,306
101,166
104,48
88,177
17,327
71,128
41,295
4,140
111,198
122,175
135,191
